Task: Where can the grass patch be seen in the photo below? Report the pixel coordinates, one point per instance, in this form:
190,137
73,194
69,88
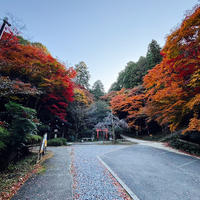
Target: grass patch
41,170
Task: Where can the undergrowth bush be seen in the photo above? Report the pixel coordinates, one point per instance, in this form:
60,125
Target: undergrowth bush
4,139
33,139
56,142
22,122
64,141
187,147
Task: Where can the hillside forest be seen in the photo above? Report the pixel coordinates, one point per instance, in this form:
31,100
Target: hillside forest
158,94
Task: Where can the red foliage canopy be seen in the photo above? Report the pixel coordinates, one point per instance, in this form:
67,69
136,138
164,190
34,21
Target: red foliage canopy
33,65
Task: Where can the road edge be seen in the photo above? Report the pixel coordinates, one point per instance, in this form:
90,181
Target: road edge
128,190
159,145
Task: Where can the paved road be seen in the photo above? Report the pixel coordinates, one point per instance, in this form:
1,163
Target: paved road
54,184
151,173
91,180
156,174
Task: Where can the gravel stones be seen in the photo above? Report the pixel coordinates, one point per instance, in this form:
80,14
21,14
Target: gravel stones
91,179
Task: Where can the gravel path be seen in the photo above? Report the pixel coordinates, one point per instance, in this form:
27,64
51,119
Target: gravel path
92,180
54,184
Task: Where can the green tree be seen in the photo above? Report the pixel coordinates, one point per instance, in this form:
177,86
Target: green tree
23,121
114,87
130,74
138,72
83,75
134,72
97,89
119,84
76,119
22,124
153,55
96,113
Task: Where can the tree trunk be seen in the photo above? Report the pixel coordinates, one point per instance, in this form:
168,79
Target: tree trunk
113,132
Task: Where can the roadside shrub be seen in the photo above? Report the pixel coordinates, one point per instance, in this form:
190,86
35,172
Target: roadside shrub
4,139
33,139
56,142
187,147
64,141
191,136
22,123
4,146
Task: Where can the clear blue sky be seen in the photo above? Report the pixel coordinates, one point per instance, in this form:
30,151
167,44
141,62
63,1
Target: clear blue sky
105,34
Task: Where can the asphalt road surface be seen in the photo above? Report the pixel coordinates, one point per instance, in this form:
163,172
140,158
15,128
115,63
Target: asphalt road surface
53,184
156,174
150,173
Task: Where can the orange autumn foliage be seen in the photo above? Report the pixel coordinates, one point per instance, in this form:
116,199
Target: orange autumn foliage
82,96
127,104
107,97
194,125
172,88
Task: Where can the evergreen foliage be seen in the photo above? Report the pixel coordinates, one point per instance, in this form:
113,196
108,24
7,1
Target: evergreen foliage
82,75
97,90
134,72
57,142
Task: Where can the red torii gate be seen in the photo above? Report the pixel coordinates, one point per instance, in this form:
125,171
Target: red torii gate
103,130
